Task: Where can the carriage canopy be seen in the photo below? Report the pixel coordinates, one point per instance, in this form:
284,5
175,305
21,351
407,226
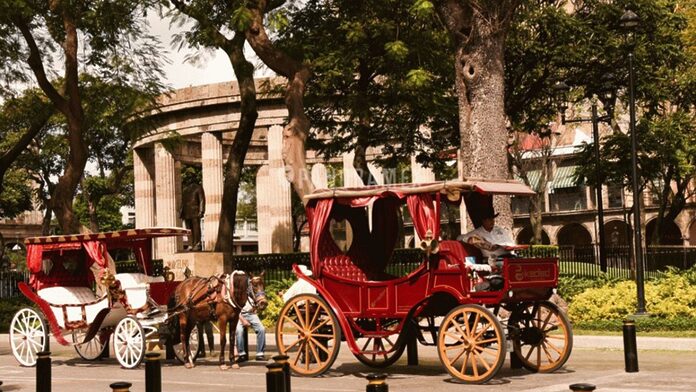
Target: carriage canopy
375,229
66,260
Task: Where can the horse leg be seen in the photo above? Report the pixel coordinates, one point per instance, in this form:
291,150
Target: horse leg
233,337
222,326
185,332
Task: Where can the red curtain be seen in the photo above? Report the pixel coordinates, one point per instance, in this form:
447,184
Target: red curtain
425,214
34,257
95,251
318,217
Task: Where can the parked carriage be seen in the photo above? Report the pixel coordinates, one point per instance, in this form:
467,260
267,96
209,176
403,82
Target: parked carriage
442,302
64,272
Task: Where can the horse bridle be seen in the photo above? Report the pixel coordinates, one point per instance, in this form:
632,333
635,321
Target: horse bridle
254,297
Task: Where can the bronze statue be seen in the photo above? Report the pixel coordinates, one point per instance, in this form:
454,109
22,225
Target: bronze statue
192,210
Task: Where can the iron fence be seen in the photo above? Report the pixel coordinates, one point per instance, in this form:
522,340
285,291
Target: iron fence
8,283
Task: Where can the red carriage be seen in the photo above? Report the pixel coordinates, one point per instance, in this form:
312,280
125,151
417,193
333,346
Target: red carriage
65,270
376,313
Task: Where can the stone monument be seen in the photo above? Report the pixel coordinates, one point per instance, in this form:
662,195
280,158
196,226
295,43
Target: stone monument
191,211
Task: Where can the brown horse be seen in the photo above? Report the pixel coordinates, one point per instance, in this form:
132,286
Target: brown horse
200,299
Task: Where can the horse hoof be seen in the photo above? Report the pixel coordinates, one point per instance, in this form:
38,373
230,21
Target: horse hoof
224,367
188,365
235,366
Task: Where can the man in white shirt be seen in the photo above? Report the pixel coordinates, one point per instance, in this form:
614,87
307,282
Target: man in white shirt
301,286
490,238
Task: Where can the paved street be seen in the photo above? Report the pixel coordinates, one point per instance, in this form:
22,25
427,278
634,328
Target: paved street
668,369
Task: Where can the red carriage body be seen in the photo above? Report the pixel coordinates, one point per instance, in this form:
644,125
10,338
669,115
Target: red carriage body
377,312
64,270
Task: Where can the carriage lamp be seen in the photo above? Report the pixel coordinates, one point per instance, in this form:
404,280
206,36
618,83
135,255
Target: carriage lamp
606,92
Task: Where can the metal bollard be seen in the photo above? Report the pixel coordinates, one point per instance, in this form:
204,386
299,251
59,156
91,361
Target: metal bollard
630,346
582,387
43,372
275,378
246,341
153,373
283,360
120,386
376,383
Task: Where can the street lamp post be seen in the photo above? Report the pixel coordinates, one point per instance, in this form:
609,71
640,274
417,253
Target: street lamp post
561,90
628,22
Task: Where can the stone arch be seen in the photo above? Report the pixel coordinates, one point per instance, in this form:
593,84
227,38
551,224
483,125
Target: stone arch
616,233
574,234
692,233
525,235
672,235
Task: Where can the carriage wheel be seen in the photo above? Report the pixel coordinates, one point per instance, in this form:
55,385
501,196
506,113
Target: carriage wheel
542,337
193,347
374,350
129,342
28,336
91,350
308,332
471,343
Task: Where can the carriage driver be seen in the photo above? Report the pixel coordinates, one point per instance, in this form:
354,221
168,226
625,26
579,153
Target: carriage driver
248,317
491,239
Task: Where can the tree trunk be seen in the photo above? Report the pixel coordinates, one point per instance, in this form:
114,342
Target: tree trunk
296,131
479,34
46,222
244,71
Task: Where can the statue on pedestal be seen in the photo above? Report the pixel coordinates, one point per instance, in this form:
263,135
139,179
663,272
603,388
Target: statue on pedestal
192,210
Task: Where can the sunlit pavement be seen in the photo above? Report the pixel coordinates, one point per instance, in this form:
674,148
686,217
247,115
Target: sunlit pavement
661,369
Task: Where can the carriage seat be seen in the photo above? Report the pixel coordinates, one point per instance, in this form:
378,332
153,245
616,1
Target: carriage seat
136,286
342,266
73,306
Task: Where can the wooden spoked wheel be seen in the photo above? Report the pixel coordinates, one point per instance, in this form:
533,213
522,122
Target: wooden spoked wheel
541,336
129,342
308,332
381,348
28,336
193,346
91,350
471,344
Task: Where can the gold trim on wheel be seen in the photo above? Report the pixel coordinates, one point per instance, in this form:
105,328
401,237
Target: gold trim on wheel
307,331
471,344
378,350
542,336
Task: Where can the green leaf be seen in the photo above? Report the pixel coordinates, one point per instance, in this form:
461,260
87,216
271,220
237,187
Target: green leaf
241,18
422,9
396,50
418,78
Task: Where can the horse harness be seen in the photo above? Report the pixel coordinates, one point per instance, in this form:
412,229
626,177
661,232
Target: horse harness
217,289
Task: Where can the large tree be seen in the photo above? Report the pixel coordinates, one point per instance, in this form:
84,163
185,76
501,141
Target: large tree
219,24
379,75
478,29
39,40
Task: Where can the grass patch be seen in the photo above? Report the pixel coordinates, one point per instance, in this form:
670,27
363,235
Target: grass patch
659,334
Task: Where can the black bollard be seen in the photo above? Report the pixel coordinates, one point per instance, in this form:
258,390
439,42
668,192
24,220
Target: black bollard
630,346
376,382
120,386
581,387
246,341
275,378
283,360
43,372
153,373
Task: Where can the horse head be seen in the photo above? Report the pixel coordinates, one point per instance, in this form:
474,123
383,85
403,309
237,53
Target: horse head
257,292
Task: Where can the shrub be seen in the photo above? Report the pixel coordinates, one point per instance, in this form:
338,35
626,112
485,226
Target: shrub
671,296
569,286
647,324
8,308
274,291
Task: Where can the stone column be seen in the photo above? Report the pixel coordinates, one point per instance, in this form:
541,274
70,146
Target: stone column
376,173
213,181
165,193
279,192
264,226
420,173
350,175
319,176
144,173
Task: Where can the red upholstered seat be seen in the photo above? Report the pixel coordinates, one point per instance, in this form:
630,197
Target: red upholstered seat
342,265
459,251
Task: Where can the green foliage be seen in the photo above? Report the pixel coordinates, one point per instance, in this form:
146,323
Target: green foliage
671,296
569,286
8,308
274,294
16,196
241,18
